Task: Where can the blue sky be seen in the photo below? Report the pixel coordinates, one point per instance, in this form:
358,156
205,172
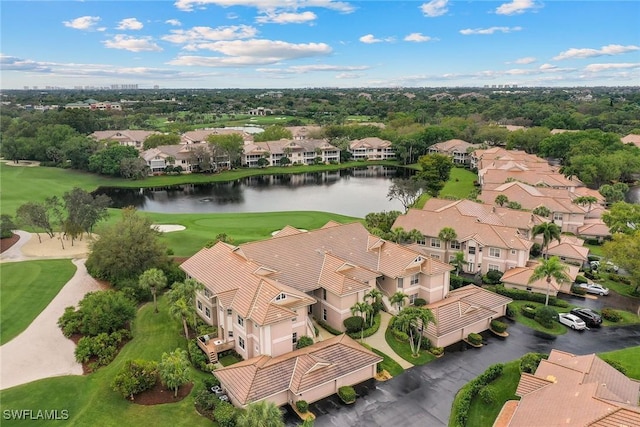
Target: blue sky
319,43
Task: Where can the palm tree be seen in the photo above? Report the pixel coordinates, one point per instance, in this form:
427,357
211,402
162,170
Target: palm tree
501,199
585,200
415,235
359,307
373,297
413,320
181,309
447,235
187,291
542,211
458,262
549,232
549,269
153,279
398,298
398,235
262,414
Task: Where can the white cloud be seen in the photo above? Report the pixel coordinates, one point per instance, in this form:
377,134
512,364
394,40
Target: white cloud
132,44
129,24
340,6
343,76
173,22
525,60
369,39
491,30
434,8
202,34
303,69
286,18
595,68
82,23
515,7
252,52
609,50
417,37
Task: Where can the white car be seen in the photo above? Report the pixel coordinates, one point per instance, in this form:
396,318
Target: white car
594,288
572,321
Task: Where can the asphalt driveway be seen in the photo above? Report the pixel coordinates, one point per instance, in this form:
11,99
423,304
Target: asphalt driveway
423,395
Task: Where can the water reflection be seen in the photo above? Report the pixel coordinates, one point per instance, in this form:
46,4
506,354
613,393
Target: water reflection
353,192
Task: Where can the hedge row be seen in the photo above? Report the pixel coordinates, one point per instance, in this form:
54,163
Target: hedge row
517,294
462,403
329,328
377,319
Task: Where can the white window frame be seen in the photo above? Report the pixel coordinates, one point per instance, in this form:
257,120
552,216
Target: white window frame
240,320
294,337
241,342
412,298
494,252
454,244
558,216
493,267
435,243
415,279
400,282
281,296
207,312
199,304
472,250
324,314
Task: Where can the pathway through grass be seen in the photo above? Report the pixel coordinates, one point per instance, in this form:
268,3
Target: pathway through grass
26,288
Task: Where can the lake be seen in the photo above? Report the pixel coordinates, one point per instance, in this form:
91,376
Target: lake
353,192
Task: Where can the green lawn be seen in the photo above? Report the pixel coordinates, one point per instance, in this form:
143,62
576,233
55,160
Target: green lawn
628,318
90,400
228,360
403,350
557,329
460,183
26,288
241,227
620,288
628,358
388,364
482,414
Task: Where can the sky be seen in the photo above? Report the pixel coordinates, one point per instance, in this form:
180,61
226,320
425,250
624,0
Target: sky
319,43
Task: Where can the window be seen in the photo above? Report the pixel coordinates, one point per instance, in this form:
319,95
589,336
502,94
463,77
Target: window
199,305
421,241
207,293
240,320
454,244
557,216
324,294
494,252
228,312
324,314
207,312
412,298
493,267
415,279
241,342
280,297
513,251
400,282
435,256
435,243
470,268
294,319
230,334
472,250
294,337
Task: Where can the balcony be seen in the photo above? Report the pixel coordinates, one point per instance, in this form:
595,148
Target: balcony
213,346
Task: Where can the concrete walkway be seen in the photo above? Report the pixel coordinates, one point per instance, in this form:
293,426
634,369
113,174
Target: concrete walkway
41,351
378,342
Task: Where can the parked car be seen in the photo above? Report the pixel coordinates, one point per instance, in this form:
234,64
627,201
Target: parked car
608,266
594,288
590,317
216,389
572,321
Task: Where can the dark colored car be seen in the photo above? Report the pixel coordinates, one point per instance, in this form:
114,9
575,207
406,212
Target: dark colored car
590,317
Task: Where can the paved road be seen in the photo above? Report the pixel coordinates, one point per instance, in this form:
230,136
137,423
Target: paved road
423,395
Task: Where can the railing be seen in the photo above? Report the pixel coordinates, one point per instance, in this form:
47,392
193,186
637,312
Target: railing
212,346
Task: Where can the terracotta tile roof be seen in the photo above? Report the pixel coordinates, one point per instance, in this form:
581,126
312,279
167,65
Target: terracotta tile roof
520,276
592,394
342,278
287,231
244,286
463,307
178,151
569,248
598,229
201,135
371,142
278,147
531,177
453,145
556,200
467,227
300,370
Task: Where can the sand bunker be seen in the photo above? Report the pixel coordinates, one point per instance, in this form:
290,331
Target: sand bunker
168,228
52,247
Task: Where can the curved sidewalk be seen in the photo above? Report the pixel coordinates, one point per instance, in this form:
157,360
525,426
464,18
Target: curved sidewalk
41,351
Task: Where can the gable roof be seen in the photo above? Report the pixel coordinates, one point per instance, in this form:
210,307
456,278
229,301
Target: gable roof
123,135
453,146
591,391
520,276
371,142
298,371
632,139
529,197
463,307
569,247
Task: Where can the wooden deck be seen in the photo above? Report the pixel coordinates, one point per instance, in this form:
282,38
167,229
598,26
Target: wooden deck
213,346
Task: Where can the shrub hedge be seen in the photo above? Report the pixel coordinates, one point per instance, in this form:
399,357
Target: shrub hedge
530,361
517,294
353,323
498,326
419,302
347,394
475,339
545,315
581,279
611,315
329,328
377,319
528,310
302,406
462,403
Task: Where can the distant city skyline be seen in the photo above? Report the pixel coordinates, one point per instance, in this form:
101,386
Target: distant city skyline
274,44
